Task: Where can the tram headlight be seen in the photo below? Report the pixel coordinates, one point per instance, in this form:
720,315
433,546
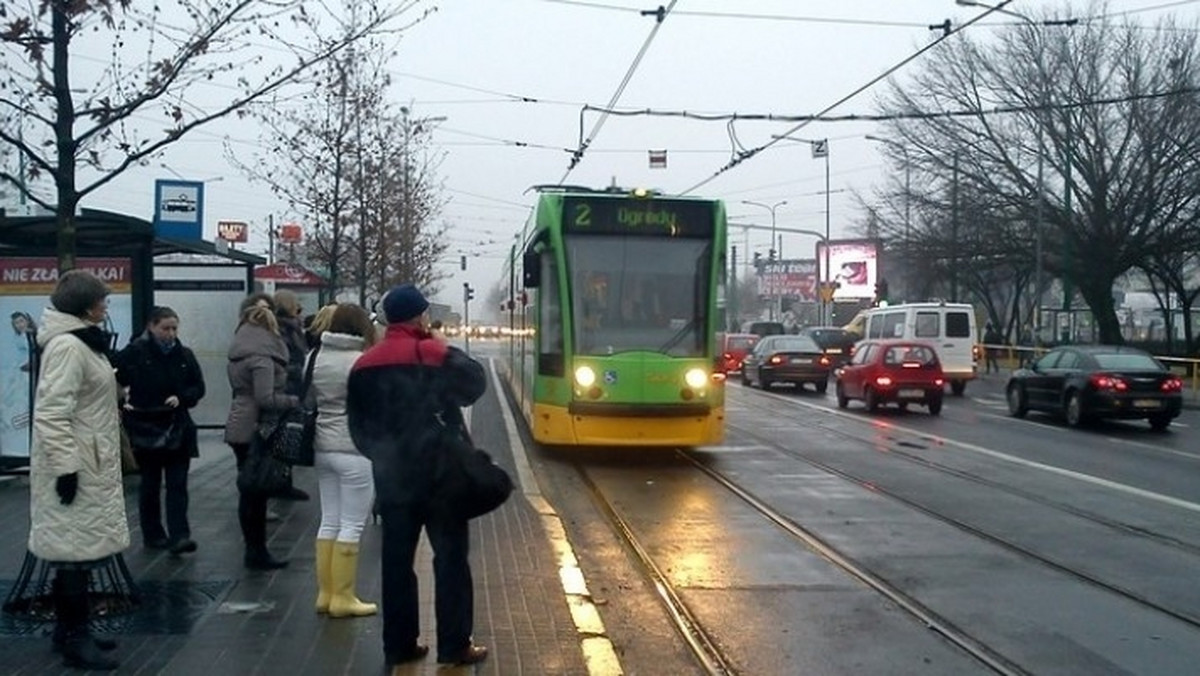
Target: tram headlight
696,378
585,376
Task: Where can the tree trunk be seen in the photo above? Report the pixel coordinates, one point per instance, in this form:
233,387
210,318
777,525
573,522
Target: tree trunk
1097,291
64,138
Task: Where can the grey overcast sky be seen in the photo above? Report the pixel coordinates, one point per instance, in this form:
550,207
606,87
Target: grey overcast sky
510,78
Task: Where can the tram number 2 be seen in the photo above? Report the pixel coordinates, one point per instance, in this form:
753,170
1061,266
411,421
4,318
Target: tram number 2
583,215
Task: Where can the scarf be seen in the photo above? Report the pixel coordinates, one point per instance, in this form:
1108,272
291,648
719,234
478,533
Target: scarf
95,337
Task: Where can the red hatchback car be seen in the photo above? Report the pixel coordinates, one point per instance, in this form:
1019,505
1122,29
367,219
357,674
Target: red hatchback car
892,371
734,348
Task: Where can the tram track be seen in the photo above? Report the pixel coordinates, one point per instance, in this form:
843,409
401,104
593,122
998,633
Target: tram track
1017,548
705,649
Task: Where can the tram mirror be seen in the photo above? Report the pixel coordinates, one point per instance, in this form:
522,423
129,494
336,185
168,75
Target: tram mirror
532,273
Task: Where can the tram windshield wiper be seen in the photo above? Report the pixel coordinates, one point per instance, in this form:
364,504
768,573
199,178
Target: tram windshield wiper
679,335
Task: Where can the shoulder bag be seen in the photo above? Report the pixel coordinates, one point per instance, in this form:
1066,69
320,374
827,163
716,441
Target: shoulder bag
467,483
291,440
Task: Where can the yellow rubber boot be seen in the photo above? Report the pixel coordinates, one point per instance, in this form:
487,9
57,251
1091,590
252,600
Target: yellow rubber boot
343,602
324,574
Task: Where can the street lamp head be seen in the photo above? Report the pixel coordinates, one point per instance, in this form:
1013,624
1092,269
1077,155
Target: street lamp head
969,3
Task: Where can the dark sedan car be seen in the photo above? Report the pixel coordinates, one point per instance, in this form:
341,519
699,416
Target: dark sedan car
787,359
1088,382
838,343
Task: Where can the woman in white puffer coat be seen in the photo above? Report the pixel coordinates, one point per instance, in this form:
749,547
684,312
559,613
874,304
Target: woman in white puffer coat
343,474
77,505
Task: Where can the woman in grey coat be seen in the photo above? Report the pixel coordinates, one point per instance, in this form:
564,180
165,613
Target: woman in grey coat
258,373
77,505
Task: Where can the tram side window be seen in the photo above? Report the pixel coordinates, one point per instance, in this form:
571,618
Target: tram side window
550,329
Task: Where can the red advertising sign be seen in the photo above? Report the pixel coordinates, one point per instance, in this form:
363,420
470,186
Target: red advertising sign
37,276
789,279
291,233
282,273
233,231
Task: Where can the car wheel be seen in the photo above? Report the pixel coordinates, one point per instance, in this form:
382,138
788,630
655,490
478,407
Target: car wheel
762,382
842,399
958,387
1160,422
935,406
871,400
1074,410
1018,405
903,406
822,386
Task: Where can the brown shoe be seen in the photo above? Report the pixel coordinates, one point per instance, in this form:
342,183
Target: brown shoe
472,654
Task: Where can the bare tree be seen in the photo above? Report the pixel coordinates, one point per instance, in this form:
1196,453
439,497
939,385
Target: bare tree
1104,100
163,60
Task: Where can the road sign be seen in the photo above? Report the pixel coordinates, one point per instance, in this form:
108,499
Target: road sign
827,289
820,148
658,159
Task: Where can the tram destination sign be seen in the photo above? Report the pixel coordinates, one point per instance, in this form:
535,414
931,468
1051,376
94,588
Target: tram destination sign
648,217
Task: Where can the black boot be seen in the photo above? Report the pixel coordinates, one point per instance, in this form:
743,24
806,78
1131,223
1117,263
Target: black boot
79,649
261,559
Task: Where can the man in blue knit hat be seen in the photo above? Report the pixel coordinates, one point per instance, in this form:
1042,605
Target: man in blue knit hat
402,392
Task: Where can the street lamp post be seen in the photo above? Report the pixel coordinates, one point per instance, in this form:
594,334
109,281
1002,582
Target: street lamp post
1039,213
771,208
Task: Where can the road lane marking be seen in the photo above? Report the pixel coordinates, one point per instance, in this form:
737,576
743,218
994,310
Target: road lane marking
1070,474
599,655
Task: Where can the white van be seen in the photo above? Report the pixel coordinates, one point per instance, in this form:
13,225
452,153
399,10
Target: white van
948,327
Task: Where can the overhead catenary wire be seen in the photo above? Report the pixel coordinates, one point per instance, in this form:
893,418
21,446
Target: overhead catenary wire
741,157
577,156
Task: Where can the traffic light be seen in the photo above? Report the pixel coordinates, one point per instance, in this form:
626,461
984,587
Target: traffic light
463,263
468,292
757,259
771,255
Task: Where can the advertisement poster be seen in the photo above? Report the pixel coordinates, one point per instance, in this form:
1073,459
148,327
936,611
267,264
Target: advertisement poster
25,287
854,265
796,279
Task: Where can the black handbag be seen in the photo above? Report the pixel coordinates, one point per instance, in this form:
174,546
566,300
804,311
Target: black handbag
291,440
467,483
158,429
262,474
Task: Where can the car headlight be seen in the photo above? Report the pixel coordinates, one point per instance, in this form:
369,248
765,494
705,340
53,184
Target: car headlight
585,376
696,378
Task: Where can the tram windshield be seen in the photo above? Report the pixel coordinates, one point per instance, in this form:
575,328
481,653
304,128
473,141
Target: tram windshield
639,293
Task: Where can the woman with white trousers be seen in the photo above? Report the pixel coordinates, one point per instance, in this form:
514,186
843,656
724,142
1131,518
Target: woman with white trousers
343,474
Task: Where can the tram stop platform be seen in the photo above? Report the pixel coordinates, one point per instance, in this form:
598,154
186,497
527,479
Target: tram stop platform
205,614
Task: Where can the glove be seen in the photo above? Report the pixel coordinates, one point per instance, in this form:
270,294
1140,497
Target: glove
67,486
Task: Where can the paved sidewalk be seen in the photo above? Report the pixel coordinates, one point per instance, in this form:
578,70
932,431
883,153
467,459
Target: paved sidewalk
204,614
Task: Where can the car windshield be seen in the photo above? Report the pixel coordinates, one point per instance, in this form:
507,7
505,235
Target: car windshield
795,344
827,337
739,343
1126,361
639,293
909,354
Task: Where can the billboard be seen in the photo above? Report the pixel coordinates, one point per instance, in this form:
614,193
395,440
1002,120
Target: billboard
789,279
25,287
854,264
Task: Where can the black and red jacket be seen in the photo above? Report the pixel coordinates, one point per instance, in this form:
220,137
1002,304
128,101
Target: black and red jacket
401,392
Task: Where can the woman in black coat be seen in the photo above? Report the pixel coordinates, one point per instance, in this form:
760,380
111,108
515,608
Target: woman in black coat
163,381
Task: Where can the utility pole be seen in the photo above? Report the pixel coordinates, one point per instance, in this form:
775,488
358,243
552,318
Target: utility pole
732,301
468,294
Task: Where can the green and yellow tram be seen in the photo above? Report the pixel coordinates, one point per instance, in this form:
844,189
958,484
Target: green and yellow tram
614,301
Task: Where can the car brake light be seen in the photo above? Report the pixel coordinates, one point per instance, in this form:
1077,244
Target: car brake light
776,359
824,361
1103,381
883,381
727,356
939,382
1172,384
975,352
